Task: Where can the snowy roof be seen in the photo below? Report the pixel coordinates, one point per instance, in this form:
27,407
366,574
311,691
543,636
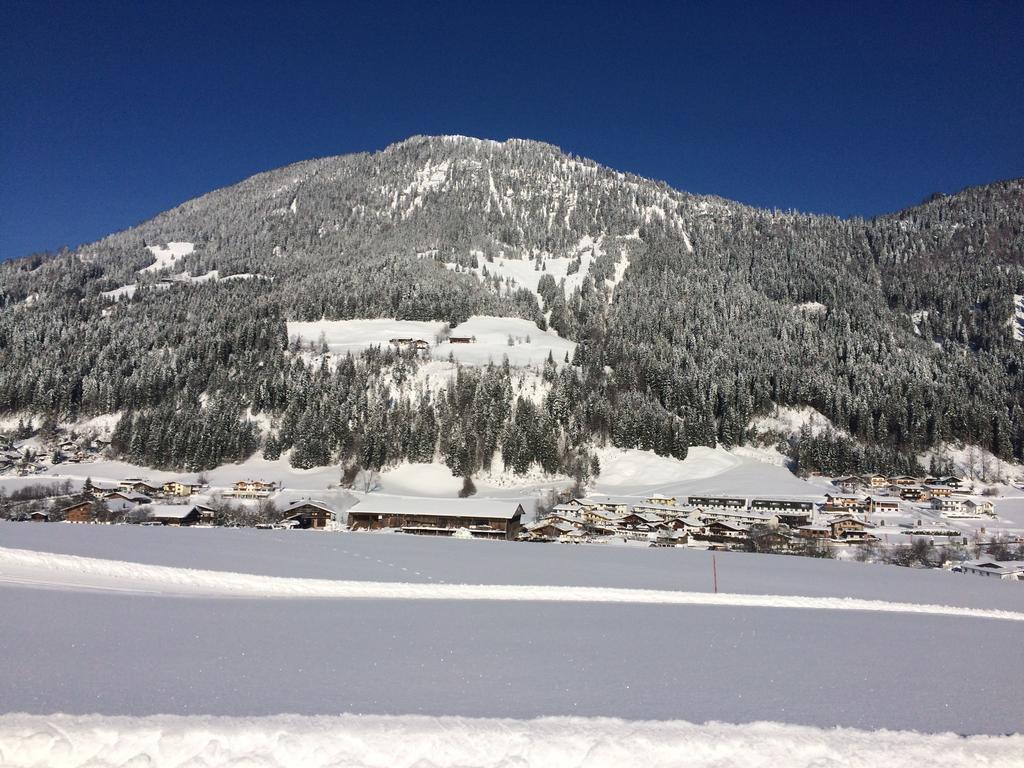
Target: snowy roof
558,525
309,503
396,505
733,526
168,510
647,517
995,565
658,507
132,496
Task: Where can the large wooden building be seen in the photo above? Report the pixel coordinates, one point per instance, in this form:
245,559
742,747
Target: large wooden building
309,514
80,512
485,518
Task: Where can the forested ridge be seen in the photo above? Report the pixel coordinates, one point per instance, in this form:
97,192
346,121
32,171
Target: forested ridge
694,316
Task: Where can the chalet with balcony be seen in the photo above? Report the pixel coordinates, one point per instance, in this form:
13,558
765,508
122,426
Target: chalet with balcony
847,528
881,506
661,500
903,480
252,489
79,512
309,514
850,484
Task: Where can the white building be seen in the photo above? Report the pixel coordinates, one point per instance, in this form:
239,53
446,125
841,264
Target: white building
1013,571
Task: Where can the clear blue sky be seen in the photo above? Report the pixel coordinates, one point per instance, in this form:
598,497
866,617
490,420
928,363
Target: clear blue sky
113,112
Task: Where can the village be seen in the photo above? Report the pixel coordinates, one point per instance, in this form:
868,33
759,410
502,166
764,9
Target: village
922,522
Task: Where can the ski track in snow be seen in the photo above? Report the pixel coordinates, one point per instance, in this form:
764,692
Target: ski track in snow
405,741
43,570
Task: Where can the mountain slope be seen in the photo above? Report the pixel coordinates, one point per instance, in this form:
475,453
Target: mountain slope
691,316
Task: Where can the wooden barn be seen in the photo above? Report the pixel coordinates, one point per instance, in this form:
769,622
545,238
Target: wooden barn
309,514
173,514
80,512
485,518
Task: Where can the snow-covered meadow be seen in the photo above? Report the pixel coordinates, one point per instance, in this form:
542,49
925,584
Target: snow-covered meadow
490,338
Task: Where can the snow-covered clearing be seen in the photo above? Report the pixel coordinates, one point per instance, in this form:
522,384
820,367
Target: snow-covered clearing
37,569
787,420
525,270
167,255
1018,317
489,338
811,308
367,741
530,345
125,290
344,336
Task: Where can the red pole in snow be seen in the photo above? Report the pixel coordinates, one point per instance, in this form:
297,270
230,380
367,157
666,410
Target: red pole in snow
714,572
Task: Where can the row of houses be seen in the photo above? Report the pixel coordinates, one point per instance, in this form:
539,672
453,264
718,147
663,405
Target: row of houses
876,481
669,526
243,489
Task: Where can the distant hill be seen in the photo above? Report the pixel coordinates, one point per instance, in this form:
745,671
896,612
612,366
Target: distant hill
687,317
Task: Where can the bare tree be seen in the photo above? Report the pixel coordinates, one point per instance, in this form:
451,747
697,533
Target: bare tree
368,480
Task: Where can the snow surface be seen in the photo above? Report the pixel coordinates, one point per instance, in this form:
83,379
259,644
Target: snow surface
167,255
381,557
416,741
25,567
125,653
1018,317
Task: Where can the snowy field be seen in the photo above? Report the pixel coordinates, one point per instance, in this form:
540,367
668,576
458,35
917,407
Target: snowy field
227,630
167,255
530,345
130,645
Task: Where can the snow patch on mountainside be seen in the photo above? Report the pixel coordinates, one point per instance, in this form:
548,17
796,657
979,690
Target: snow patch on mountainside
487,338
917,318
167,255
490,342
788,420
126,291
811,308
344,336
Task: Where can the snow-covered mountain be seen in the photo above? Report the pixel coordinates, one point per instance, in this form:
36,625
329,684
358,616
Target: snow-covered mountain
634,314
